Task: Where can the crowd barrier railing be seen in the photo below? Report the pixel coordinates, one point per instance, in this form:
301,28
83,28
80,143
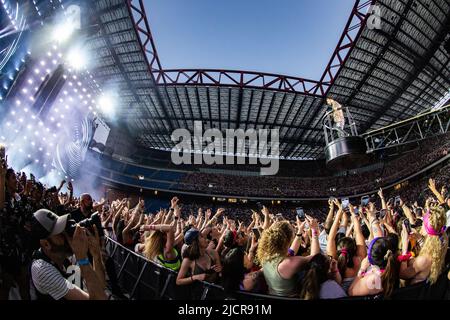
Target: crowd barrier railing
142,279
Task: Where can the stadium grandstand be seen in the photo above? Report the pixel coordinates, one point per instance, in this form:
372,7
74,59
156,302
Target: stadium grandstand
121,179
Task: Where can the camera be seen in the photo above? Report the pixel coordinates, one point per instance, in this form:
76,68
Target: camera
88,223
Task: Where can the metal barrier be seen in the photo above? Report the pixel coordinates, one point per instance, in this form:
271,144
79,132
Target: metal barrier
142,279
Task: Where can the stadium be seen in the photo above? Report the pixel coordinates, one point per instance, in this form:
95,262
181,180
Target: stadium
123,179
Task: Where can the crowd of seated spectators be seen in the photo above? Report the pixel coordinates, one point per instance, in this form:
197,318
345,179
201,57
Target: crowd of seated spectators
340,250
429,152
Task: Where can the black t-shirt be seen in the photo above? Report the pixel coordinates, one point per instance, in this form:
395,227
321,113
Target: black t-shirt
77,215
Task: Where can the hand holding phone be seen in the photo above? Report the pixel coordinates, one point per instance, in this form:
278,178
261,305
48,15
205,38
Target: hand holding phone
365,200
300,213
345,203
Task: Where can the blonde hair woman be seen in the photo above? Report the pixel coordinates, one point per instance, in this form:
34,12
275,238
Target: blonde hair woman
280,270
429,264
159,246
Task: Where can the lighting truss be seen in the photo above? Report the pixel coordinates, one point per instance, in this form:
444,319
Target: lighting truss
427,125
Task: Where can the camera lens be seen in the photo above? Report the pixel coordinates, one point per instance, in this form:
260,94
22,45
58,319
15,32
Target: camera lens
70,227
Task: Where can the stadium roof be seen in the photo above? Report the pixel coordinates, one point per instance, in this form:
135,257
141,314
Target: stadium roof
383,75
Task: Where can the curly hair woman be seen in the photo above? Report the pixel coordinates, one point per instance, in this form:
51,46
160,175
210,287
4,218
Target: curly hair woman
429,264
280,270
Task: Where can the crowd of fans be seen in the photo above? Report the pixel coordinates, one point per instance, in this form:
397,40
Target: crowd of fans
355,251
349,184
52,243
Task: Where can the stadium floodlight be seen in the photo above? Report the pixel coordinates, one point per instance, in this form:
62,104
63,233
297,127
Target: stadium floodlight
76,58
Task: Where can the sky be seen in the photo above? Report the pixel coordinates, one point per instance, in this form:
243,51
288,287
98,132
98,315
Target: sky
290,37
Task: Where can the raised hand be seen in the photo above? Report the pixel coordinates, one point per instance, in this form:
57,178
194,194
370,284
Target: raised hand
337,203
177,212
79,243
220,211
351,208
380,193
330,203
174,202
313,223
432,184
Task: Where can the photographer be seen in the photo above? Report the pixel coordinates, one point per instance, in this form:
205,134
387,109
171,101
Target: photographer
48,269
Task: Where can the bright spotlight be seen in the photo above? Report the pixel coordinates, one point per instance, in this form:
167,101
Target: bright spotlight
77,59
63,31
106,103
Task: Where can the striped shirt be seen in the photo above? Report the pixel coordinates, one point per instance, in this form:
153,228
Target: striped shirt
48,280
